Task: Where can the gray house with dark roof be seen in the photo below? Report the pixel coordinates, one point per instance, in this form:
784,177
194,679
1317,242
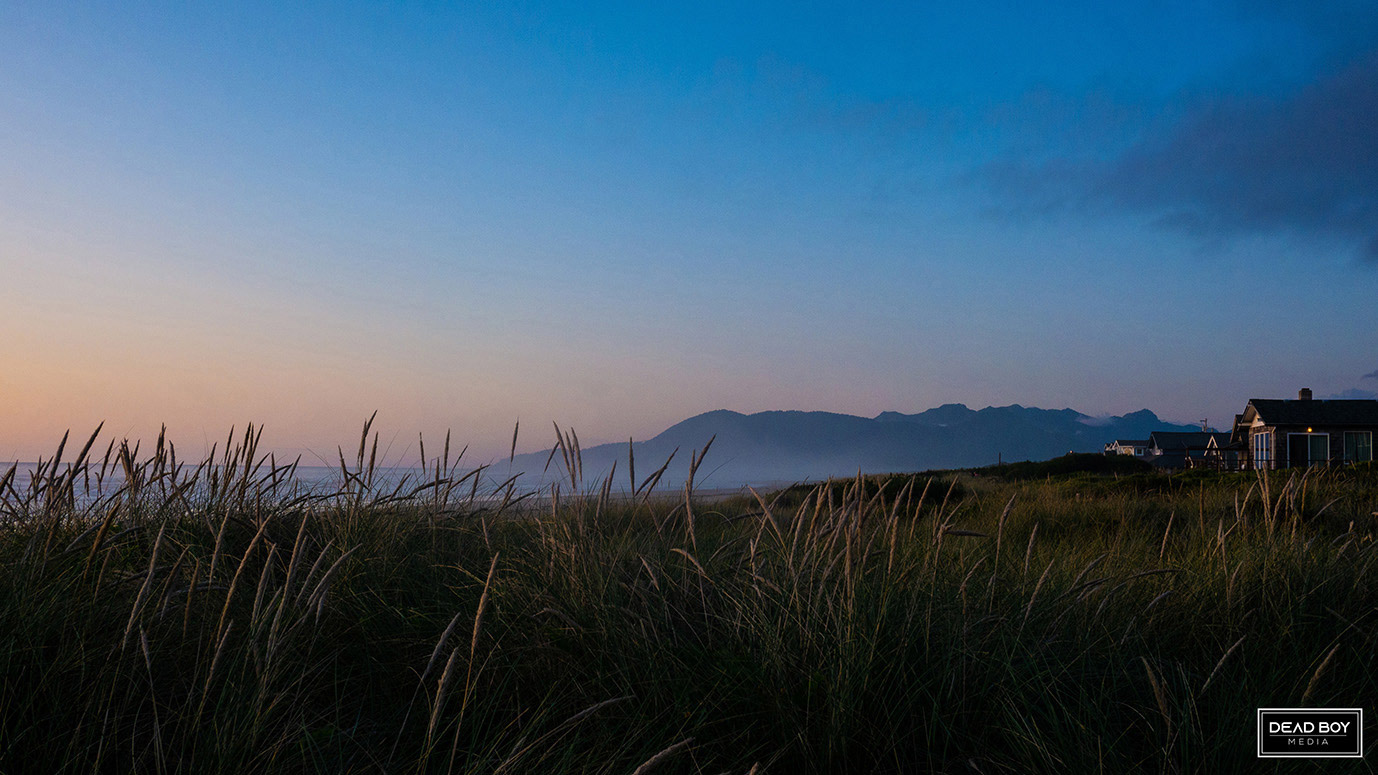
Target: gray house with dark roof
1285,433
1177,449
1222,454
1135,447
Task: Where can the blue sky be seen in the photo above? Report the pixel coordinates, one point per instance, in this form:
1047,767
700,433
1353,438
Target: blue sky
615,217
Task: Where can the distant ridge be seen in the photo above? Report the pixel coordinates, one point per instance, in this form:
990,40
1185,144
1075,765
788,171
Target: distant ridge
786,446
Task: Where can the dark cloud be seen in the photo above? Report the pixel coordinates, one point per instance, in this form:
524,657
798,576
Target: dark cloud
1344,27
1354,393
1370,375
1306,162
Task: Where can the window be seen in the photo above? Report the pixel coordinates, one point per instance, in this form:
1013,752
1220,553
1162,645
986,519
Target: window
1318,447
1358,446
1307,449
1263,449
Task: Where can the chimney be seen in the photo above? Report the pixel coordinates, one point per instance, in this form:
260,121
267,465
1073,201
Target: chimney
1304,394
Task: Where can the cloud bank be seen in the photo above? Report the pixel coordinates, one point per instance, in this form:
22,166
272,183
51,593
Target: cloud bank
1353,393
1305,162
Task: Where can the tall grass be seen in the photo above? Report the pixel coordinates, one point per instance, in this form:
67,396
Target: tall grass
217,616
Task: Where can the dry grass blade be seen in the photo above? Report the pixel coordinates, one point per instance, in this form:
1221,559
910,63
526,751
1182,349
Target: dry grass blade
605,492
482,605
441,686
649,573
689,530
1157,600
1000,529
363,438
323,587
514,759
143,590
7,481
435,657
1028,608
768,515
1028,551
962,588
561,615
650,763
57,456
210,675
1153,572
166,594
469,670
691,559
1221,664
1075,586
100,536
1162,549
1316,676
81,458
296,553
594,708
578,456
264,577
311,574
1159,695
654,478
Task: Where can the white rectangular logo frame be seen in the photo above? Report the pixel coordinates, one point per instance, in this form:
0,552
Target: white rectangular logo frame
1358,719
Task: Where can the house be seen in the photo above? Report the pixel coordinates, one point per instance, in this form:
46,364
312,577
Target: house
1286,433
1136,447
1177,449
1222,454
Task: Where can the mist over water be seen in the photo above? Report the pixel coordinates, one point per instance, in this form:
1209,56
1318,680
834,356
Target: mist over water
490,483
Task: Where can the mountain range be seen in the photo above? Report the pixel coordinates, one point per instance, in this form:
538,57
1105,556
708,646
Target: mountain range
790,446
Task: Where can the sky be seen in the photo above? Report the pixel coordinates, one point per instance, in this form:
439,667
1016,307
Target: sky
616,216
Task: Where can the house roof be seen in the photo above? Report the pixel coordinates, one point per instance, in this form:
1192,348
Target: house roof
1238,433
1177,440
1276,411
1132,442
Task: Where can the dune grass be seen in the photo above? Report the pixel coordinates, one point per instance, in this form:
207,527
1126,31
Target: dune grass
160,616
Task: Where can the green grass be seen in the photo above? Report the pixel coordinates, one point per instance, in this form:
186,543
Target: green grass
219,618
